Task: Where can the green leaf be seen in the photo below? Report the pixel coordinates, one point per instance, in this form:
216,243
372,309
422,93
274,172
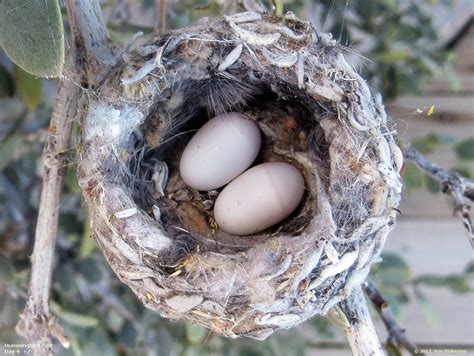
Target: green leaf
395,295
247,350
114,320
394,271
465,171
432,185
32,35
89,269
407,83
165,344
458,284
8,148
393,56
64,281
8,311
80,320
6,269
7,87
413,177
323,327
391,260
191,351
128,334
75,347
195,333
465,148
454,78
426,144
445,139
98,342
287,344
29,88
88,244
426,308
432,280
392,349
470,268
71,180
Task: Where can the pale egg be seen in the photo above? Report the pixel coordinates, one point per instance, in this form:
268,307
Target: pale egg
223,148
259,198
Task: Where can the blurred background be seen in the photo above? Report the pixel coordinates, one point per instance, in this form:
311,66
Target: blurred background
418,53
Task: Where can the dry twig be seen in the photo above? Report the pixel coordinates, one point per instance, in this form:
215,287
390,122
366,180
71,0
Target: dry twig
396,333
36,322
360,330
89,54
161,9
460,188
253,5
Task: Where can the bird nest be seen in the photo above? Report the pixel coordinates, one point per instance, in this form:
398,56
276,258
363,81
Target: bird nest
314,111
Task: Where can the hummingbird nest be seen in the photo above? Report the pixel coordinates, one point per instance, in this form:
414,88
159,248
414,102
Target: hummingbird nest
314,111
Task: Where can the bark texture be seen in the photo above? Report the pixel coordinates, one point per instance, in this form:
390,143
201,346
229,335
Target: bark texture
360,331
89,57
36,321
460,188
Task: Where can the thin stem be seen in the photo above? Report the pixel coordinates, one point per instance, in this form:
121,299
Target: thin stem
396,333
360,330
161,24
87,61
278,5
36,322
253,5
93,51
460,188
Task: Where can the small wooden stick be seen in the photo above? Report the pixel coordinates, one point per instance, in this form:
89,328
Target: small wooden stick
88,59
360,330
396,333
459,187
161,24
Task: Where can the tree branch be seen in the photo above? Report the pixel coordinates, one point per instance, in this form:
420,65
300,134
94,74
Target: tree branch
92,46
359,329
460,188
36,323
161,9
253,5
395,332
86,61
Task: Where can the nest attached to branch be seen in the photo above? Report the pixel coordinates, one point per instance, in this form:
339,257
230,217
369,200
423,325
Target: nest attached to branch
314,111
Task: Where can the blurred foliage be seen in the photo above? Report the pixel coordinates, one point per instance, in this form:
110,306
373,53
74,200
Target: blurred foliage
102,316
29,88
463,150
394,278
398,38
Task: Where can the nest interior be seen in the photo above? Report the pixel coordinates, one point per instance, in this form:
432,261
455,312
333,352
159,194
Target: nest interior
314,112
287,133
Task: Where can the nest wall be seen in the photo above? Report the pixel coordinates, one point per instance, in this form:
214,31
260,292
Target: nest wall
314,111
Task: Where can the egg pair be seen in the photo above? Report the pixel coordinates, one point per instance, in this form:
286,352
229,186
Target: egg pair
254,200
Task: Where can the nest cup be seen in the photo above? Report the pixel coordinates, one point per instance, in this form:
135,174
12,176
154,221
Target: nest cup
314,111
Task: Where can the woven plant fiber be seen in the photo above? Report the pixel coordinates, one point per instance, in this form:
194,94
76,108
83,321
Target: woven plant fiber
314,111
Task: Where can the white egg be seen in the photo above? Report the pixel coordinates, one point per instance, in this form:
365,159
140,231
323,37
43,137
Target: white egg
259,198
223,148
